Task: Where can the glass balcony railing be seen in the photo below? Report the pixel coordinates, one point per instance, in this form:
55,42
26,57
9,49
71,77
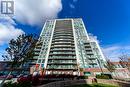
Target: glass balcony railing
35,57
89,52
62,62
91,58
63,39
62,49
88,46
63,43
60,57
93,63
61,67
62,52
62,46
64,29
36,53
63,35
88,49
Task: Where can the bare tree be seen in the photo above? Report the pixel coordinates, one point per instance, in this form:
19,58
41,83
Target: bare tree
123,59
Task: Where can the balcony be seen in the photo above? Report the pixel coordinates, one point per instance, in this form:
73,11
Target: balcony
91,58
89,52
63,30
37,50
35,57
87,46
64,53
36,54
88,49
62,39
62,49
62,57
66,43
93,63
61,63
62,35
62,42
63,46
61,67
38,47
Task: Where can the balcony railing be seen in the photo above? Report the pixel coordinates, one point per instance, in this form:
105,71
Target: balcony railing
93,63
63,37
91,58
60,57
62,52
61,67
62,62
62,49
62,43
89,53
62,34
88,49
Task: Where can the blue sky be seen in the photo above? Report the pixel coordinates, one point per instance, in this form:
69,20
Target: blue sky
108,20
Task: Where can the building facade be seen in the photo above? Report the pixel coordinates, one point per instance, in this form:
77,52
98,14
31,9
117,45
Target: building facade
67,48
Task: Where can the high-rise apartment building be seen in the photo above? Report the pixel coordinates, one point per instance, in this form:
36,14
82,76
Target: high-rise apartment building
67,48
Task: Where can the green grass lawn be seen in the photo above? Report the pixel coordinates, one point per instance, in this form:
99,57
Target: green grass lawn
93,85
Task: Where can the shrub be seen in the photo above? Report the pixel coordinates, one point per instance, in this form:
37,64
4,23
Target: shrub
102,76
24,84
10,84
82,77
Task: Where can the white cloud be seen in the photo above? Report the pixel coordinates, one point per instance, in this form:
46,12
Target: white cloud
7,20
114,51
29,12
2,52
7,32
35,12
